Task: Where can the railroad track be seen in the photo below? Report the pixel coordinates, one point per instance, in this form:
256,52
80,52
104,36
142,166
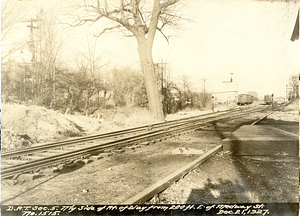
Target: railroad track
140,134
147,194
114,135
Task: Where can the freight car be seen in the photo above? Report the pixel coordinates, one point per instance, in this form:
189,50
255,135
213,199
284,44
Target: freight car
268,99
244,99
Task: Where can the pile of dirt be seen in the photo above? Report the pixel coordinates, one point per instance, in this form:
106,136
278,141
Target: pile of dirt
41,125
11,140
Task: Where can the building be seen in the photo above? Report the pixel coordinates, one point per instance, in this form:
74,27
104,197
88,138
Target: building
225,96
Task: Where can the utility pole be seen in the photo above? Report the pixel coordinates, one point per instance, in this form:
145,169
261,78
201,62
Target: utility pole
204,83
32,46
31,43
204,97
230,81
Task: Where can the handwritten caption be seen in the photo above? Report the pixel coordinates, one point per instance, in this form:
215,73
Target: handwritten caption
218,209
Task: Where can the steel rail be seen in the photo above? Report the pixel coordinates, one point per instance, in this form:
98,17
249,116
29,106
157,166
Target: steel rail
81,140
15,153
93,137
17,169
258,120
161,185
32,165
164,183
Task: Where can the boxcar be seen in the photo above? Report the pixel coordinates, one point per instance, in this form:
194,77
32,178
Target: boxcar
268,99
244,99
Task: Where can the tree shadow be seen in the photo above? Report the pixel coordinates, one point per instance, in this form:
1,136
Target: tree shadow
223,191
18,195
267,180
67,168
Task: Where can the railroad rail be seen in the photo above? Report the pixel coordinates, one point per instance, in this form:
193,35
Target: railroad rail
53,145
155,189
151,132
150,192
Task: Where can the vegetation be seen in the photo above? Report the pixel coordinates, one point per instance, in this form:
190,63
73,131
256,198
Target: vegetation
92,83
141,20
293,87
77,91
47,81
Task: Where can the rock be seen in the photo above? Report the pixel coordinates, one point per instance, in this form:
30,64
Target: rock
47,171
37,175
60,166
106,154
85,190
95,153
72,165
55,169
24,143
87,161
118,151
187,151
29,177
96,157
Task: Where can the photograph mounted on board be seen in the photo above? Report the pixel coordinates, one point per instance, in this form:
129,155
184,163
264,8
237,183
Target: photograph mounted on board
150,107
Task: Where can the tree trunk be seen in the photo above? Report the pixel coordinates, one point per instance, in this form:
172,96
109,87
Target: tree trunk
146,60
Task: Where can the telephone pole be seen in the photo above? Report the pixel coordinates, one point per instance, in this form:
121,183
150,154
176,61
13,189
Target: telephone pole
31,42
204,83
230,81
32,48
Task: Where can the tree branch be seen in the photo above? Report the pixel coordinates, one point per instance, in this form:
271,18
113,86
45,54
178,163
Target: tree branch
160,30
108,29
167,3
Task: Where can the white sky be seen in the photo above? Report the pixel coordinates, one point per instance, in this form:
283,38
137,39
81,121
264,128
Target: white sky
248,38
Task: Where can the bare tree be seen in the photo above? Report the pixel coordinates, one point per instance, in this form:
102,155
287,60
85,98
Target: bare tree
294,83
89,59
185,85
11,15
48,48
90,56
139,19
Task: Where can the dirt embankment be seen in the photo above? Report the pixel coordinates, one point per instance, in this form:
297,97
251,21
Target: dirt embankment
24,126
28,125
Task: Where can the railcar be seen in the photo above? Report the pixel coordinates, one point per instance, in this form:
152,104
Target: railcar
244,99
268,99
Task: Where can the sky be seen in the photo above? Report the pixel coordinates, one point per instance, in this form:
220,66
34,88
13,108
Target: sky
248,38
